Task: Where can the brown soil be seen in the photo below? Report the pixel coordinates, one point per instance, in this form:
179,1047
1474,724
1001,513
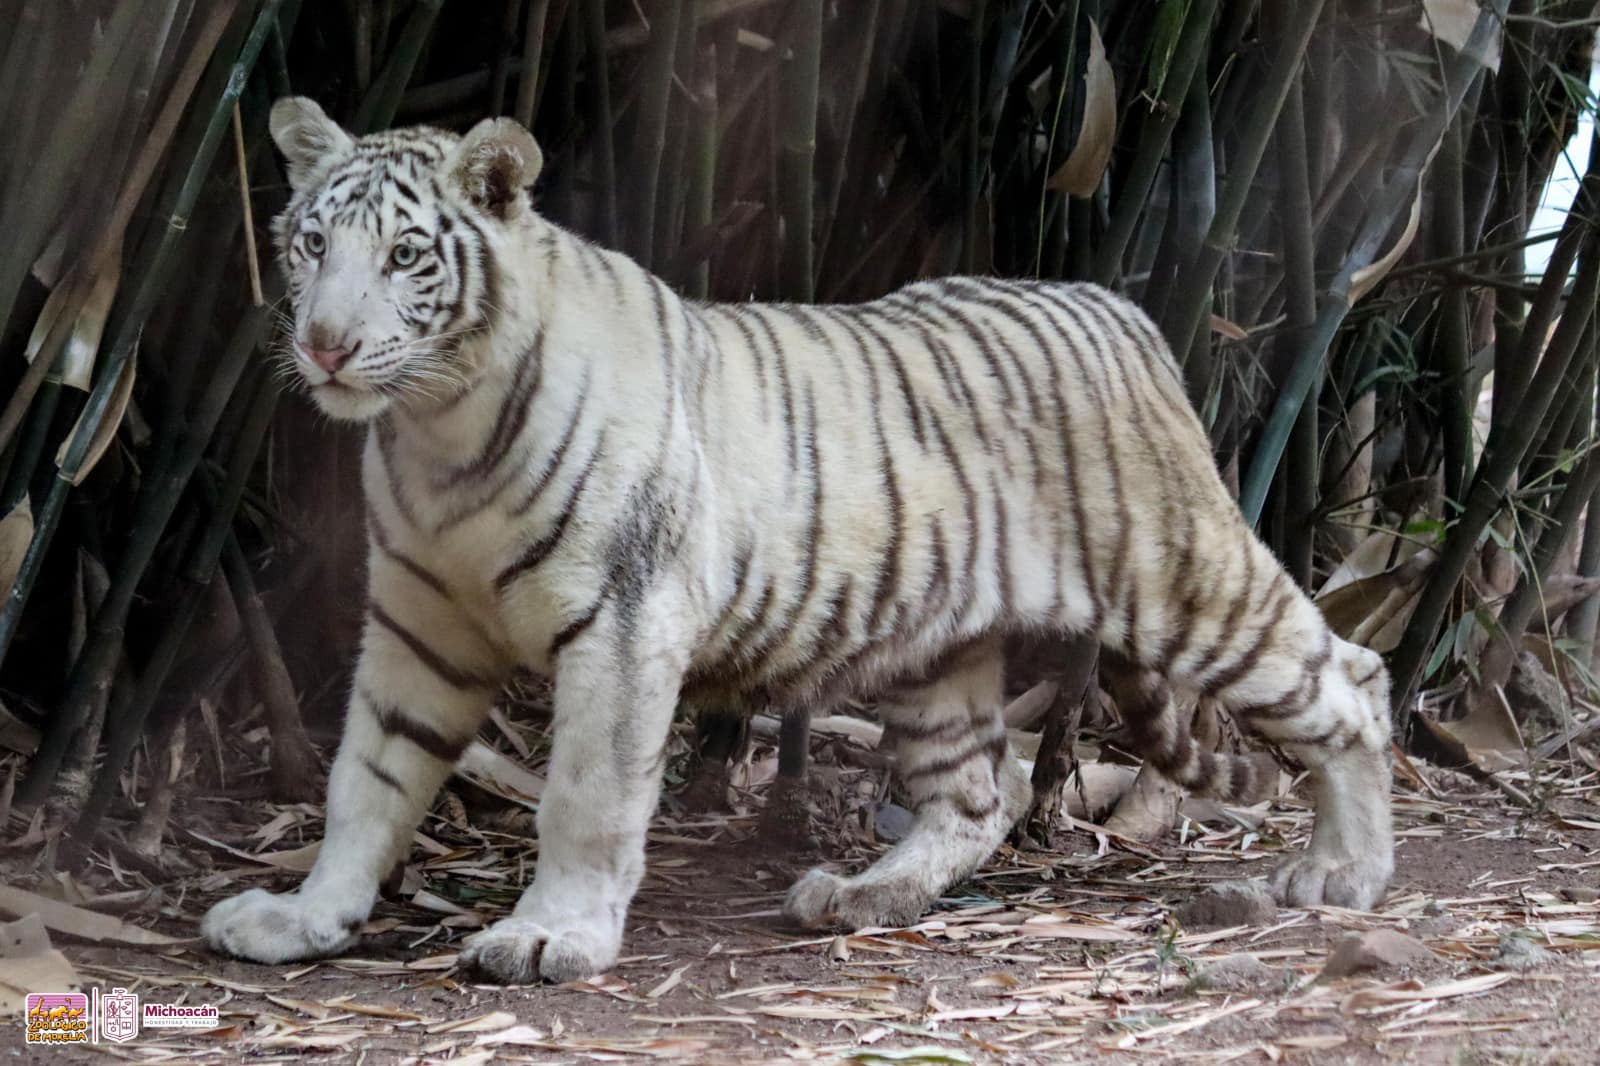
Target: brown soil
1068,956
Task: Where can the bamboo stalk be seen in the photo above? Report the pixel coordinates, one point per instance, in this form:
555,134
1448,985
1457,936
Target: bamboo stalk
1379,223
500,71
1193,296
529,77
1502,455
1299,269
378,106
1133,193
797,150
127,725
603,134
151,286
650,139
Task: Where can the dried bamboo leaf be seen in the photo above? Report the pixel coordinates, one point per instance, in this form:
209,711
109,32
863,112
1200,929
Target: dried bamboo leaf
1081,173
1367,278
78,921
1451,21
104,433
16,532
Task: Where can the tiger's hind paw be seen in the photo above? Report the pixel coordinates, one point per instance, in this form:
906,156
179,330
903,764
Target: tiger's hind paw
822,900
1311,880
520,951
261,927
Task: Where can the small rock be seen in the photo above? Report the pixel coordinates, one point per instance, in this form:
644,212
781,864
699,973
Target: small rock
1376,949
1239,974
1521,954
1229,903
1578,894
891,822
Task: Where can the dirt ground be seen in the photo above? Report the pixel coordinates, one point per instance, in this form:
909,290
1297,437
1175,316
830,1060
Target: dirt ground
1078,954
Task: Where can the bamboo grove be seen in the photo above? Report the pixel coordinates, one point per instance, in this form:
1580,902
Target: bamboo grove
1326,205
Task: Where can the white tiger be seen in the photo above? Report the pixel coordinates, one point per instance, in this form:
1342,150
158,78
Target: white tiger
571,469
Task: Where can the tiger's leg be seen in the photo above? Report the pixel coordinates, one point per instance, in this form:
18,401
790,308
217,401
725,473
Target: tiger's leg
423,684
1326,702
1161,732
964,785
616,687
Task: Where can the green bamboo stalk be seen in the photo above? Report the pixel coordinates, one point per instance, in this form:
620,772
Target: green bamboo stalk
972,161
1385,211
604,134
1502,455
151,286
701,205
1585,617
529,78
797,147
500,71
26,222
673,191
378,107
1452,337
1192,297
125,727
1299,267
650,138
861,67
1133,192
92,671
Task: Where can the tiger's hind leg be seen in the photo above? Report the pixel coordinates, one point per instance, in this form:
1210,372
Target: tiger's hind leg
1329,708
965,788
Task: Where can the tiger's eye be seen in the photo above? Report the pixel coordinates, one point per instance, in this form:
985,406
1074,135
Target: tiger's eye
403,255
316,243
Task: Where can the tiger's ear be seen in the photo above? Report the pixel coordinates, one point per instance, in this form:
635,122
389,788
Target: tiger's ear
494,162
306,136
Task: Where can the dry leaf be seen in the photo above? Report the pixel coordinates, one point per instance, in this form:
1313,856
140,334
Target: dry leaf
76,366
1149,809
1489,731
105,432
1451,21
483,1023
517,1034
16,532
1081,173
1367,278
494,772
28,963
1227,328
77,921
1413,991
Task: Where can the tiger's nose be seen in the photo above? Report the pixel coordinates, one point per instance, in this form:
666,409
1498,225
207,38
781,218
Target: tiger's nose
329,359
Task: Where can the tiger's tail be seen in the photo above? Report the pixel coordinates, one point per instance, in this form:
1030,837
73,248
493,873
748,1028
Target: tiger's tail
1163,734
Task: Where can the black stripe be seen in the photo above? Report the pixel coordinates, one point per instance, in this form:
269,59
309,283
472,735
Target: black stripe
540,549
383,775
573,629
396,723
451,674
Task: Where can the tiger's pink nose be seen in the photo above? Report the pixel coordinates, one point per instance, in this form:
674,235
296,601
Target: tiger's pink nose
329,359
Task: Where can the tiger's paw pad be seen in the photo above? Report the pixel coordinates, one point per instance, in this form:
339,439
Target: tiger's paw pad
261,927
1311,880
822,900
520,951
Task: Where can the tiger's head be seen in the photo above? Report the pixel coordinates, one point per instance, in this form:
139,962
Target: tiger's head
389,245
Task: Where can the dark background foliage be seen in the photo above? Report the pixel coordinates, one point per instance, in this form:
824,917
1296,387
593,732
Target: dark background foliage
1325,205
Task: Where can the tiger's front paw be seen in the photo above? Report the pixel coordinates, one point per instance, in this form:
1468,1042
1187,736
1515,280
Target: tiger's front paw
1310,879
520,951
261,927
822,900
